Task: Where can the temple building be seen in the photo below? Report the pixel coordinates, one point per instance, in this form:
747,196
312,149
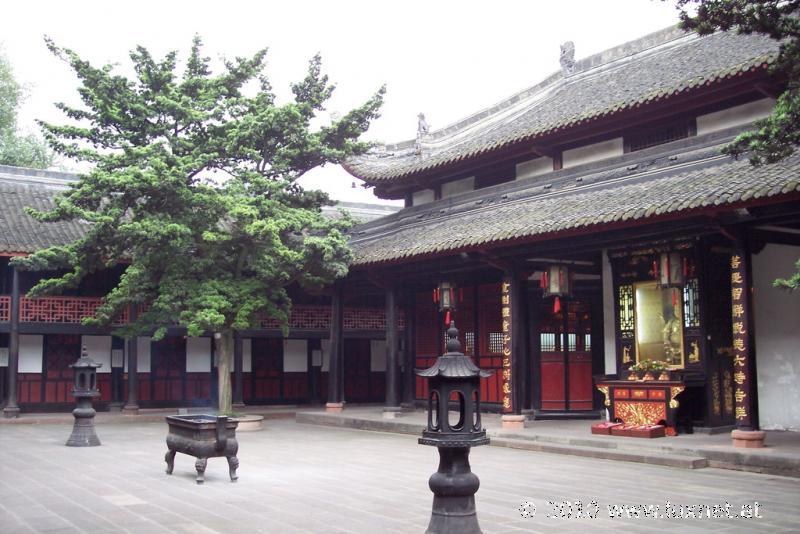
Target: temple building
581,234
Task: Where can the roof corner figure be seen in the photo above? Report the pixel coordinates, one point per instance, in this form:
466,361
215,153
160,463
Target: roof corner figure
422,130
567,58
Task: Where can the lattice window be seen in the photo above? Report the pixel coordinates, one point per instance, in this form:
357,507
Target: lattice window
547,342
587,342
5,309
691,304
572,342
659,135
496,342
626,307
469,345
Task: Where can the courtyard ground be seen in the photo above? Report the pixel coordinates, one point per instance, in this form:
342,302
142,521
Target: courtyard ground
305,478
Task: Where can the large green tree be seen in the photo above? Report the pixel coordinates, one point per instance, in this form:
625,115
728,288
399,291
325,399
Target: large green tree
777,136
15,148
194,188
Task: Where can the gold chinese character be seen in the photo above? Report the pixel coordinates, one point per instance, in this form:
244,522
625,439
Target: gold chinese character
739,395
738,328
506,362
739,377
738,361
741,412
506,312
506,338
507,352
738,310
505,300
506,388
736,278
736,260
738,344
736,292
506,287
505,325
506,374
506,402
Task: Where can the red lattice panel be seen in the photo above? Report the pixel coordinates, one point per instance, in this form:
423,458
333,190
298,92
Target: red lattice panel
5,309
61,310
319,318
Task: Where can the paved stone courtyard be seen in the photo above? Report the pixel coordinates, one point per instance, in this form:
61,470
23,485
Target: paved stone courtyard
304,478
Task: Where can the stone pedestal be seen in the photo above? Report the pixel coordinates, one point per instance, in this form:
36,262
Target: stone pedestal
334,407
513,422
130,409
408,406
454,486
392,412
83,434
10,412
748,439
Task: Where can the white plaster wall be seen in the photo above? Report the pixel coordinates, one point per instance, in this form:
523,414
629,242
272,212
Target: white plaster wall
593,152
777,326
377,355
734,116
30,354
143,354
198,355
458,186
609,333
247,356
99,349
422,197
326,355
534,167
295,355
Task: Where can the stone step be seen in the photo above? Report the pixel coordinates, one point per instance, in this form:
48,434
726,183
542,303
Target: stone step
625,455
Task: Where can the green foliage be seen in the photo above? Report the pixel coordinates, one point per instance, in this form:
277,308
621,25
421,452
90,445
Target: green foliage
776,137
194,188
15,149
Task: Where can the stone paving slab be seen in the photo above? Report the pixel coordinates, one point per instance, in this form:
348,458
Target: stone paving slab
781,456
307,478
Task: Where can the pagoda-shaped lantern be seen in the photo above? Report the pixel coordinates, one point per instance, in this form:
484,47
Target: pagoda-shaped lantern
454,378
84,390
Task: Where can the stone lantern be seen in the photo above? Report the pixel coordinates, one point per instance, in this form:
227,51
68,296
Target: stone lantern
84,390
454,378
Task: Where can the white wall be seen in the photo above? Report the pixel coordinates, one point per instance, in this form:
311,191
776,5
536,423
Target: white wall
735,116
143,354
593,152
198,355
609,326
99,349
295,355
422,197
326,355
534,167
377,355
777,327
458,186
30,354
247,356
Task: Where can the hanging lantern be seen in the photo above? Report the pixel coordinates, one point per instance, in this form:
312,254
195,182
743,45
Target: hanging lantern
446,293
672,271
557,281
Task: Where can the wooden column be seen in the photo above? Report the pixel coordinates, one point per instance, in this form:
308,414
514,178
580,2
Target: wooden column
336,364
11,408
744,366
410,355
510,310
238,372
132,404
392,399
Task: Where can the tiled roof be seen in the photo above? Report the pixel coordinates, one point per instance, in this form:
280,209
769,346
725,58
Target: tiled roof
21,188
587,202
650,69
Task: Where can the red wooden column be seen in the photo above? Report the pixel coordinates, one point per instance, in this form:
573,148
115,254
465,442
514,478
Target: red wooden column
11,408
747,434
132,404
336,363
510,311
410,353
238,376
392,407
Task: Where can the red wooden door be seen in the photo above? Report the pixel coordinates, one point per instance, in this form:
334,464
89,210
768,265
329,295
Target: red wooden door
566,357
167,369
357,371
267,365
60,351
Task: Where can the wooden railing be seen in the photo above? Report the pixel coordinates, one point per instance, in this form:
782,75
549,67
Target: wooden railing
72,310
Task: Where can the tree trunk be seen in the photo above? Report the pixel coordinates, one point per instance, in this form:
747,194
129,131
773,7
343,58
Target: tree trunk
224,368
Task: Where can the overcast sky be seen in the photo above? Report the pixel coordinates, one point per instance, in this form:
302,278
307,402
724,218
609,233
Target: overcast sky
447,59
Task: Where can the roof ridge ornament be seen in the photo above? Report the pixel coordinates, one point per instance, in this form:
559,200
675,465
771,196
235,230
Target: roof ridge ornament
567,58
422,130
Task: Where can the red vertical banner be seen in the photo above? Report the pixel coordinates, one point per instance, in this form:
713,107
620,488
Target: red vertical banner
740,302
505,312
